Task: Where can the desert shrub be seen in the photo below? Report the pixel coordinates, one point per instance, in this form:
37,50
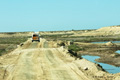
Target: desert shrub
0,54
117,55
62,44
75,48
12,40
2,51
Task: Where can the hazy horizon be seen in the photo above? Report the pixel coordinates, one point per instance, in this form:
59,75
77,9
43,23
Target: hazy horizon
38,15
48,31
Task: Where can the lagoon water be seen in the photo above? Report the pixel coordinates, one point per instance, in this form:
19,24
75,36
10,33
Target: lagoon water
118,51
109,68
108,41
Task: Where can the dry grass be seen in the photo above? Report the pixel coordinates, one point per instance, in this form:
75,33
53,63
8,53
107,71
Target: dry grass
8,44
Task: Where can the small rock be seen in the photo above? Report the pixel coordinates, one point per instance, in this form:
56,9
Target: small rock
21,44
85,68
112,55
110,44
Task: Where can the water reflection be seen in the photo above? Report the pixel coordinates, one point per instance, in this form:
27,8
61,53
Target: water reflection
107,67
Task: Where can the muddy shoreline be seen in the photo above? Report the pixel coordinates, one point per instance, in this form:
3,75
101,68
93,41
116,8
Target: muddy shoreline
107,53
104,58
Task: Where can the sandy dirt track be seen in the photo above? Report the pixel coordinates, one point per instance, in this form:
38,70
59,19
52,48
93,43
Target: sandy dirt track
37,61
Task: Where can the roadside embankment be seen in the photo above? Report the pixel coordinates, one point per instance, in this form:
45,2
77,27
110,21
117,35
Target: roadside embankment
42,60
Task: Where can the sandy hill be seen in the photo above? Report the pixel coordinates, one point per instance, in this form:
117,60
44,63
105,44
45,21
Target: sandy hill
105,31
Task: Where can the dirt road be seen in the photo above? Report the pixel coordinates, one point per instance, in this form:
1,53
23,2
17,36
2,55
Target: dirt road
37,61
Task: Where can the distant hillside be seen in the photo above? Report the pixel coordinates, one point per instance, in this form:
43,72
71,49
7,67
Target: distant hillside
15,34
105,31
69,32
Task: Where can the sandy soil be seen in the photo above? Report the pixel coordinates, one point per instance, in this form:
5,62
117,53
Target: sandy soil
39,61
104,31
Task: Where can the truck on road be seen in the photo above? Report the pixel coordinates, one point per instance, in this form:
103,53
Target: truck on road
35,37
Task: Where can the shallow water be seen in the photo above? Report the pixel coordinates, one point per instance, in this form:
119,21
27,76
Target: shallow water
109,68
107,41
118,51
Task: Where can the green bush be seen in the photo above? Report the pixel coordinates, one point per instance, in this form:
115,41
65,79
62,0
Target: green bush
117,55
75,48
2,51
0,54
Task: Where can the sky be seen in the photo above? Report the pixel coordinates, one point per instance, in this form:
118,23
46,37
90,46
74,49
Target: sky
54,15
